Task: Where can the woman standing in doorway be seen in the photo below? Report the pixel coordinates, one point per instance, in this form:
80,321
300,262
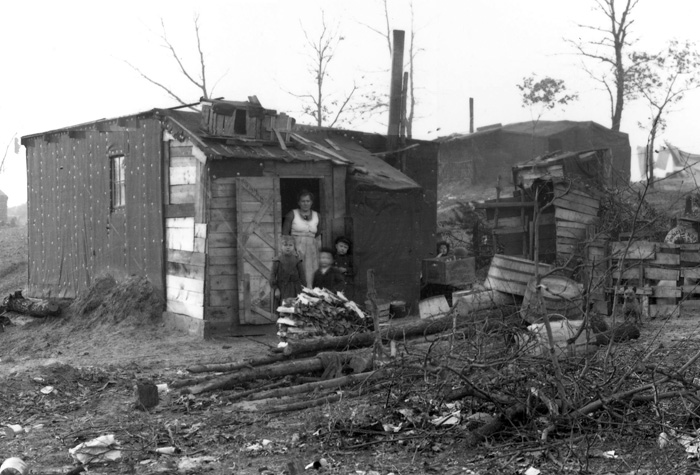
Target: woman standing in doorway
304,223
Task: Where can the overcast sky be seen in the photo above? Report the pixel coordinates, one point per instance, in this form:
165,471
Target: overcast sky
63,62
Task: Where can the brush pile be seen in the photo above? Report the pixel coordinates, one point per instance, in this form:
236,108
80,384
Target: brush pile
320,312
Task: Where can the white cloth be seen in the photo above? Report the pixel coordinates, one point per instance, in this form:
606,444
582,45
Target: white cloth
304,227
308,247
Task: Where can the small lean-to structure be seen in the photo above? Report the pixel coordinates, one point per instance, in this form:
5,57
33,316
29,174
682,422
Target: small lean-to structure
194,201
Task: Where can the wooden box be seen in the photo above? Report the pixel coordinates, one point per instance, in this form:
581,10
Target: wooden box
449,272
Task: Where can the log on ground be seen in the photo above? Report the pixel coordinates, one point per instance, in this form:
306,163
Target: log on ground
33,308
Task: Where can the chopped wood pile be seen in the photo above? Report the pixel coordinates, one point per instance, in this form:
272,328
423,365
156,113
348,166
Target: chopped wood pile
320,312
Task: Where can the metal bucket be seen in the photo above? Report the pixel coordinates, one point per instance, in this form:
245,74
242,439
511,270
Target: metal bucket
13,466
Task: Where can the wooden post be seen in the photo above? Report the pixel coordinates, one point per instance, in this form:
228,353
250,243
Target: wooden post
395,90
495,214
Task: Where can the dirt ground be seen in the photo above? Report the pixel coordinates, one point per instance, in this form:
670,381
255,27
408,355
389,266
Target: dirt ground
67,381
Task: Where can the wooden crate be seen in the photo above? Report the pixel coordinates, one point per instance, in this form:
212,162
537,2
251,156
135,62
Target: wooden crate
449,272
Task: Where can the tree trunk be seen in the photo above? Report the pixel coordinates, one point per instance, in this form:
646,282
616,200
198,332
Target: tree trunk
362,340
263,372
39,308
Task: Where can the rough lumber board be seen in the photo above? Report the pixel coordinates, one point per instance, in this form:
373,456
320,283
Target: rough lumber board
180,194
657,273
573,205
666,292
185,270
179,210
184,283
180,239
183,176
186,257
499,205
574,216
640,250
576,196
690,257
223,282
691,289
193,311
186,296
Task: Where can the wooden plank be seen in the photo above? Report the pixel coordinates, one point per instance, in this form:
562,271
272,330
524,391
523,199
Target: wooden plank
200,245
185,223
179,210
628,274
690,247
690,257
691,305
571,194
186,257
221,227
223,282
182,176
666,292
657,273
180,150
184,283
572,205
221,298
665,259
179,238
691,289
189,161
221,251
222,240
690,272
185,270
226,202
222,215
219,190
574,216
200,230
572,225
566,248
193,311
571,233
504,204
215,269
182,194
186,296
639,250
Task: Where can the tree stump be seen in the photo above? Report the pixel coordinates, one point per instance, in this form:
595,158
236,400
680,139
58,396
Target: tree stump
145,394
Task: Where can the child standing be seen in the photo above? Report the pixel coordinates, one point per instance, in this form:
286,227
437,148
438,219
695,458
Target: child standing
343,261
327,276
287,276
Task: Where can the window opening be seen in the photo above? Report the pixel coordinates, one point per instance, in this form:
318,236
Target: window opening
117,168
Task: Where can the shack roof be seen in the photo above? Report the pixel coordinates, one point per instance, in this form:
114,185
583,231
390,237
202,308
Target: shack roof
308,144
542,128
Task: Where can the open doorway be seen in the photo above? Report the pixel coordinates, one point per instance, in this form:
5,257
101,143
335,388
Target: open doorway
290,188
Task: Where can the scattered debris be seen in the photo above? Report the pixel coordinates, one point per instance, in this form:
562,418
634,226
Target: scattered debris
13,466
101,449
32,307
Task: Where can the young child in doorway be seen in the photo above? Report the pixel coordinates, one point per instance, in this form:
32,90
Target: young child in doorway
287,272
343,261
327,276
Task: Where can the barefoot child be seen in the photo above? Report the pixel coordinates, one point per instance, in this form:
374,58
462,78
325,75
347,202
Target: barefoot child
327,276
287,276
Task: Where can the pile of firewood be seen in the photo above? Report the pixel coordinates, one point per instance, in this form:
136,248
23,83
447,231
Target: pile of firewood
320,312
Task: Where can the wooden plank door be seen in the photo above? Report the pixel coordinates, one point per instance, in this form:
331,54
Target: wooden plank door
259,225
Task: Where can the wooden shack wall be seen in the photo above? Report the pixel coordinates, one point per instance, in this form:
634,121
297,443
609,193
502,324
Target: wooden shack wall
185,229
73,235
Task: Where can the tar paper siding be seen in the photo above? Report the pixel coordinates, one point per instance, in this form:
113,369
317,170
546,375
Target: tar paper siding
73,234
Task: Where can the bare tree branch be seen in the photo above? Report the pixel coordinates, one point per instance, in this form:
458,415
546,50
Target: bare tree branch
153,81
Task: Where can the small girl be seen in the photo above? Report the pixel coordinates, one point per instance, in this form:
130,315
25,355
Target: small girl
287,276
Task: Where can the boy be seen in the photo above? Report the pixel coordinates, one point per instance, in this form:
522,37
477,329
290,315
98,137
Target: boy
343,261
327,276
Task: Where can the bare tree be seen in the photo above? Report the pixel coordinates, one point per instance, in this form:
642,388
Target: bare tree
609,50
197,77
664,80
324,107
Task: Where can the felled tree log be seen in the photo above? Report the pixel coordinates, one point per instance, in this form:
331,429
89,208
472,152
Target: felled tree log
34,308
224,367
363,340
308,387
263,372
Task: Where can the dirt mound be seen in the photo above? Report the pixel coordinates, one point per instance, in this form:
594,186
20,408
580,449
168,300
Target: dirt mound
134,300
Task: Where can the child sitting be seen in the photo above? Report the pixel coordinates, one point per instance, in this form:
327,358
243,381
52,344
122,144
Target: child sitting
442,250
327,276
287,276
343,261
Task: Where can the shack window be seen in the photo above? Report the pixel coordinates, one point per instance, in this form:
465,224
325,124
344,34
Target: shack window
117,181
240,122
